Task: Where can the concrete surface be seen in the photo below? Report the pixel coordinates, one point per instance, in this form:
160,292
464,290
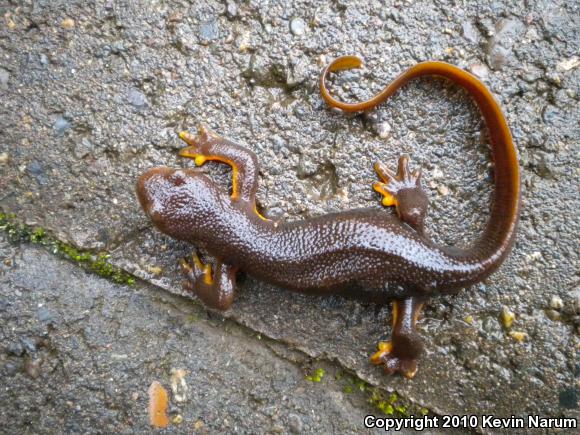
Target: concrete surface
79,354
93,93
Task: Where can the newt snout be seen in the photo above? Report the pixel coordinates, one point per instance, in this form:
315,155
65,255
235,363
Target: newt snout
151,184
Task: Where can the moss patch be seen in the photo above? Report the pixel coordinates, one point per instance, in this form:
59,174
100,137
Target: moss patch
390,404
97,263
316,376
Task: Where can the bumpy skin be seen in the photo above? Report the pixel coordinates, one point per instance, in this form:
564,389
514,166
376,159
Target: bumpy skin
364,253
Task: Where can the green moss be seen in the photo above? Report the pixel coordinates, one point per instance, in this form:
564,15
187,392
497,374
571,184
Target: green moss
317,376
389,404
38,235
385,407
15,231
95,262
193,318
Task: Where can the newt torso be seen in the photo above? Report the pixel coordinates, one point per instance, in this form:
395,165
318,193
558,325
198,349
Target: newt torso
368,248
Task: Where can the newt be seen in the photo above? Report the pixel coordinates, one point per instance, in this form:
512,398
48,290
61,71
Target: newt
360,253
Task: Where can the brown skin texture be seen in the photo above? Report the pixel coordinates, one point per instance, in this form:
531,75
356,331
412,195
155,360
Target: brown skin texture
363,253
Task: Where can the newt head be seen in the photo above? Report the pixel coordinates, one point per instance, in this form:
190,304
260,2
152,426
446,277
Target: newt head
180,202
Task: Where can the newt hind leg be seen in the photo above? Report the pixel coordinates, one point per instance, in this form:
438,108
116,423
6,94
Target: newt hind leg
404,191
217,289
401,353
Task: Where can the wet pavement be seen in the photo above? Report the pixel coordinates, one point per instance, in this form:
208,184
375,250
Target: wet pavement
93,93
79,354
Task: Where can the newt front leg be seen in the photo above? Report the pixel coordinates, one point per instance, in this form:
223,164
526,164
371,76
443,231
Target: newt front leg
210,146
217,289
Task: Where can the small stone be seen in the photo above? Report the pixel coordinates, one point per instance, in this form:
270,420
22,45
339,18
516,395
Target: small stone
208,31
499,49
576,300
231,9
198,425
507,317
491,326
568,398
469,319
4,158
179,387
553,315
479,69
137,99
10,369
498,57
554,78
443,190
297,26
518,335
61,125
155,270
295,423
9,21
568,64
32,367
4,77
44,315
534,256
67,23
118,47
556,303
383,129
436,173
83,148
29,344
306,168
37,171
469,32
15,349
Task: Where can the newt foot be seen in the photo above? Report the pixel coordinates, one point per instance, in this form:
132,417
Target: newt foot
194,270
404,191
392,184
393,363
197,145
193,151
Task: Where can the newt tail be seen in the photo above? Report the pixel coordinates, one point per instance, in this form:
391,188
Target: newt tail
499,235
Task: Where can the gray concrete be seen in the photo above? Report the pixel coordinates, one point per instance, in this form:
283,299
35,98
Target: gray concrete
79,353
88,107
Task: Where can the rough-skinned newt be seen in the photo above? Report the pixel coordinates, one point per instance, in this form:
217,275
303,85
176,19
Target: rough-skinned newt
360,253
